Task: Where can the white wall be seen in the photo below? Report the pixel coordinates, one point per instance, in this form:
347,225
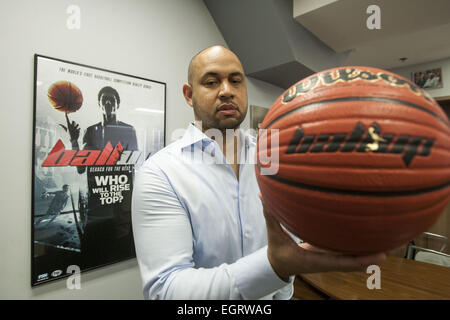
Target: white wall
444,64
260,94
153,39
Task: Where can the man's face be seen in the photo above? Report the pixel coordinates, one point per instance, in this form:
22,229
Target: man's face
108,103
217,91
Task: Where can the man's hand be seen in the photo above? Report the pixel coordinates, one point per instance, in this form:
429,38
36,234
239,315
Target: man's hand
288,258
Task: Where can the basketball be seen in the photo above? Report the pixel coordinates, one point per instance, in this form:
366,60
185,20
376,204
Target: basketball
64,96
362,159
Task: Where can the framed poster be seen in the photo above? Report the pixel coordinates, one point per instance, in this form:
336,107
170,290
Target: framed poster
92,129
428,79
257,115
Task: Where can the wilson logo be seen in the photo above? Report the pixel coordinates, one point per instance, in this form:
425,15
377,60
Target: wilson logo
348,75
360,140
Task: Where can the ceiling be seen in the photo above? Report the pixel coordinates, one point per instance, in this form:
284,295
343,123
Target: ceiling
283,41
416,29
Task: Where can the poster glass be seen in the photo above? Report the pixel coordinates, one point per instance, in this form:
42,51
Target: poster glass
92,129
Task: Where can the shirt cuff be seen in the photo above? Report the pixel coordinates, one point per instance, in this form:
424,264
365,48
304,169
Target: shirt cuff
255,277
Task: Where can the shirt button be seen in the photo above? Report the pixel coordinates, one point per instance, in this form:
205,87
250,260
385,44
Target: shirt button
246,235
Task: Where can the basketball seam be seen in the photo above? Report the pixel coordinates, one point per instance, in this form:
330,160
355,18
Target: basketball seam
415,211
374,119
379,99
318,154
356,192
280,146
337,166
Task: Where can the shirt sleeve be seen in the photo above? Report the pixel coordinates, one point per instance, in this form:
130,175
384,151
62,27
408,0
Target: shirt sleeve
164,249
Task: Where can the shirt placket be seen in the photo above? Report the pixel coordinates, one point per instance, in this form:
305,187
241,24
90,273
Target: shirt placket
222,160
244,226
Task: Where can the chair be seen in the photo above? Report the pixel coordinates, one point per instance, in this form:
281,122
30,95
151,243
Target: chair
428,255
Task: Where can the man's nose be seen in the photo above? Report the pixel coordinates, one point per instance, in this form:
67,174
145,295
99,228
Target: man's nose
226,90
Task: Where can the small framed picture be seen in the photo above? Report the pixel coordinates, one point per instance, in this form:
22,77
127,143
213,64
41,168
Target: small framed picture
257,115
428,79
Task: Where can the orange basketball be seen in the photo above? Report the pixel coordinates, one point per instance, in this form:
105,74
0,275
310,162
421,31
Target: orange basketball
65,96
363,160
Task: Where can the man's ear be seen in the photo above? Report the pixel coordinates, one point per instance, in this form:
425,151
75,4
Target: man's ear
187,93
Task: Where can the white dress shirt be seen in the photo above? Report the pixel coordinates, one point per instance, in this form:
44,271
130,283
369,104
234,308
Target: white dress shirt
199,232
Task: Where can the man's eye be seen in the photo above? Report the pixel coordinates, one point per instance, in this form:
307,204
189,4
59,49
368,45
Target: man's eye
210,82
236,81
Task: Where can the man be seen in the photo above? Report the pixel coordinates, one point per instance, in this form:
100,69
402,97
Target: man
431,81
108,130
420,79
107,234
199,226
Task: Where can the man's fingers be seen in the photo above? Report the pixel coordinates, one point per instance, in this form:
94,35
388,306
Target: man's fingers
291,258
67,119
63,126
323,262
310,247
372,259
271,222
362,262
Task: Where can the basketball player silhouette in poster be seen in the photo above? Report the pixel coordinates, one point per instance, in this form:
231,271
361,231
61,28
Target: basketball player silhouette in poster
107,235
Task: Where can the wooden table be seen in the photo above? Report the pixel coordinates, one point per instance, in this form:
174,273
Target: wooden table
400,279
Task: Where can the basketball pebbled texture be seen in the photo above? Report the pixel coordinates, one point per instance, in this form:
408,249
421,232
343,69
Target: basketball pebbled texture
364,160
64,96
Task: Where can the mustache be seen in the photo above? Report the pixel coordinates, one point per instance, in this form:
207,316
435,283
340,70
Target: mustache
227,105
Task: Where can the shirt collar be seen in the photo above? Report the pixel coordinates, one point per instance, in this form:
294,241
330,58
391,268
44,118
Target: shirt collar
193,135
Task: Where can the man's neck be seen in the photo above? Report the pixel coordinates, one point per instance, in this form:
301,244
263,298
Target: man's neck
230,146
109,120
227,139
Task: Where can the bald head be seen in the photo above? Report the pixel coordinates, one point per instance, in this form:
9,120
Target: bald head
217,88
213,50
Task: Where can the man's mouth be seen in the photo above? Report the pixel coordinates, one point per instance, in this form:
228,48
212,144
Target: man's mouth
227,109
